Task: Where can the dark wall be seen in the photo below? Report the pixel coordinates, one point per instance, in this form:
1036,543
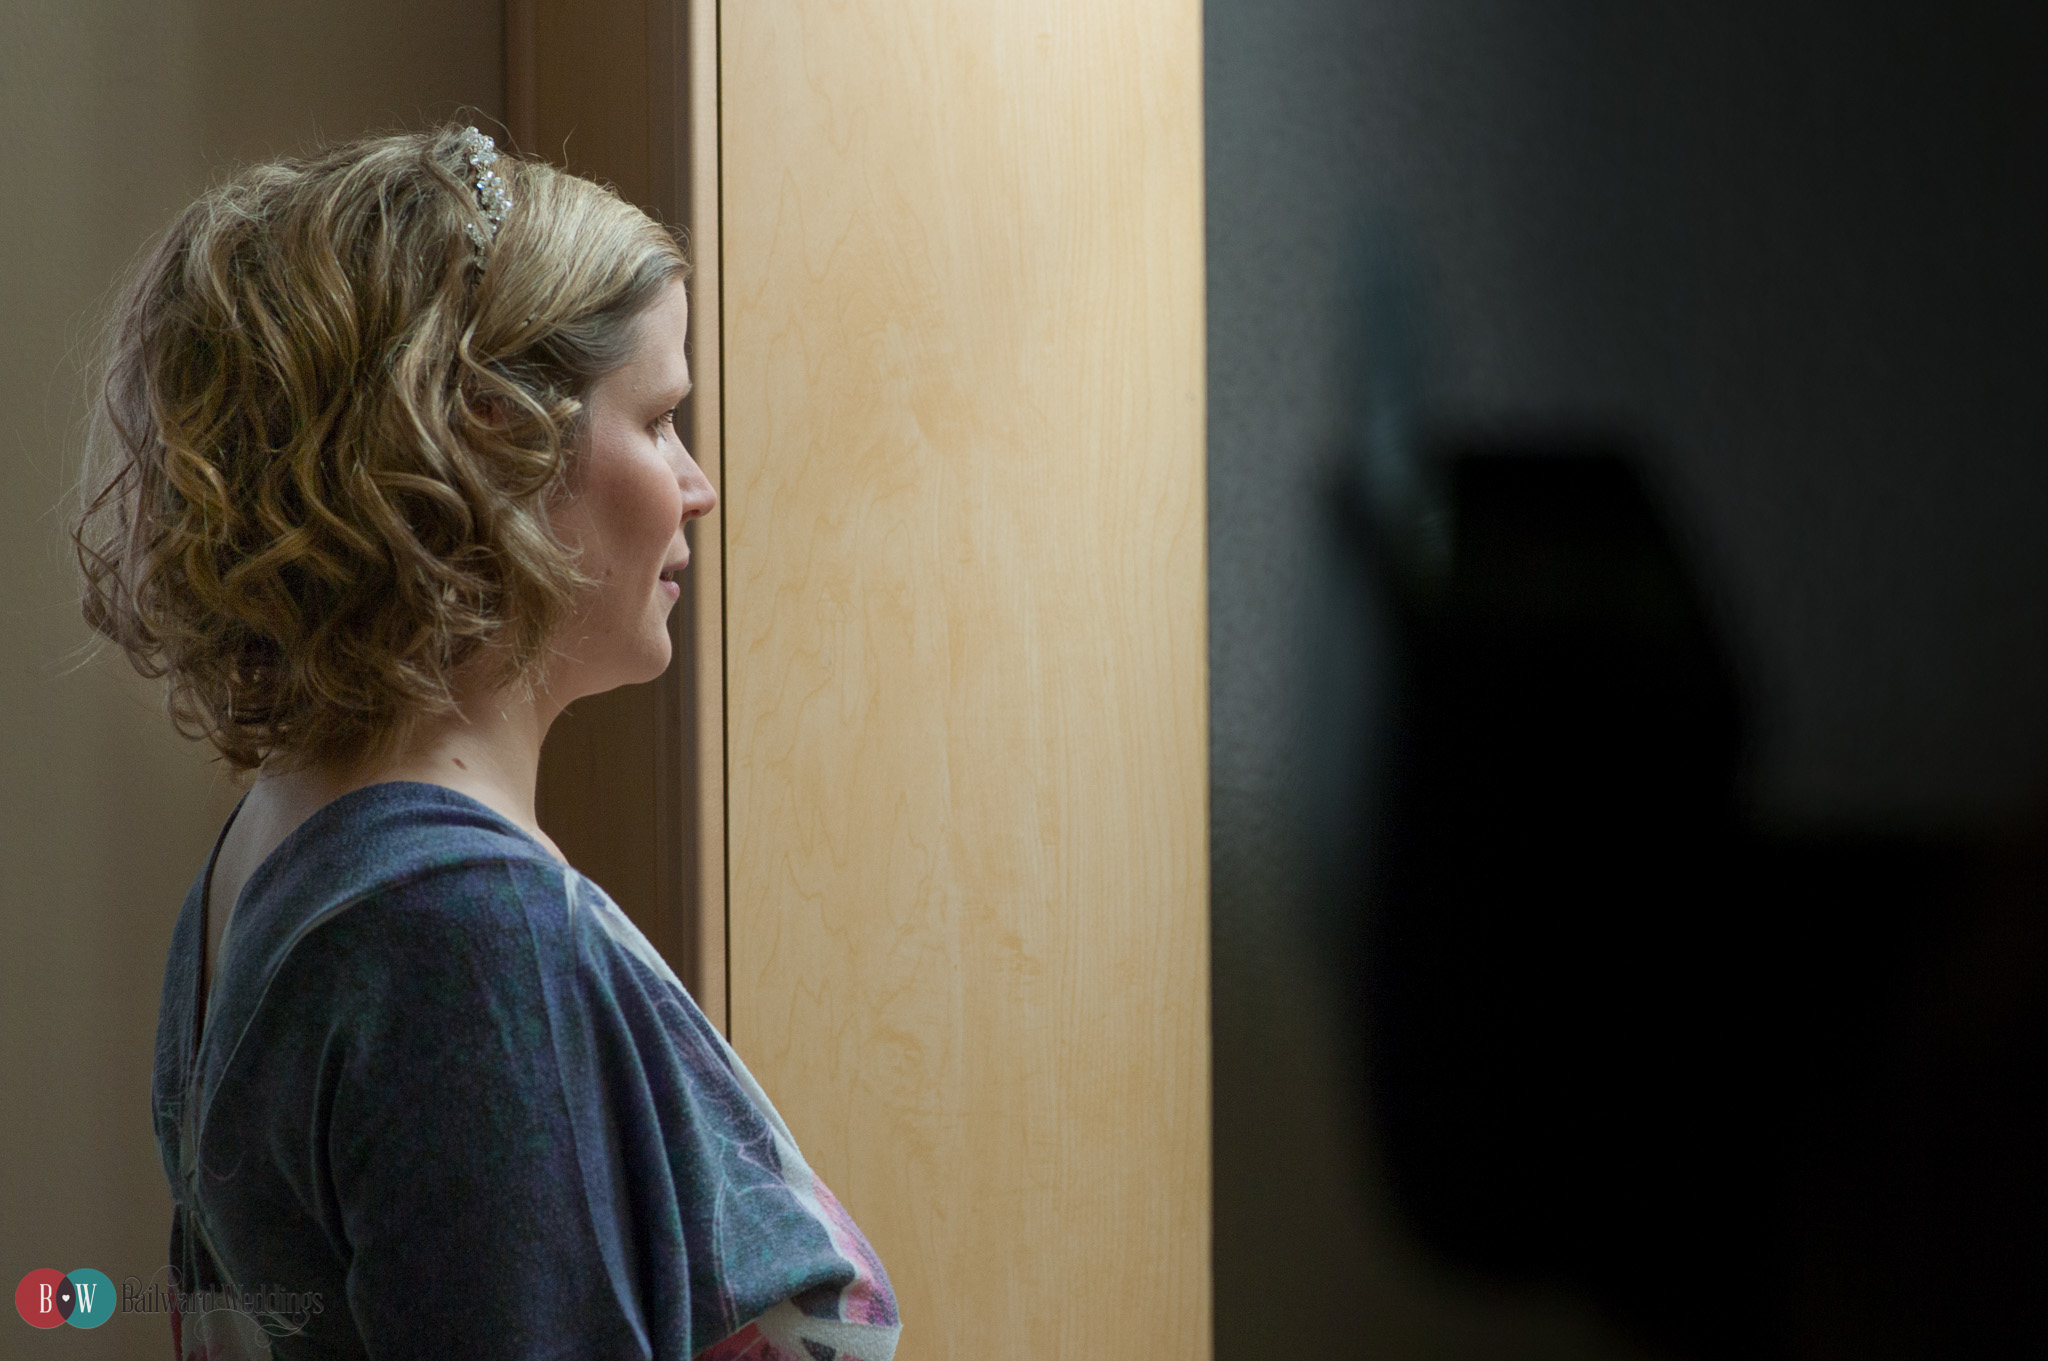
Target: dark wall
1793,258
1796,247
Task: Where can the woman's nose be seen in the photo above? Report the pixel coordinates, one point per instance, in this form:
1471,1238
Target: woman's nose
699,497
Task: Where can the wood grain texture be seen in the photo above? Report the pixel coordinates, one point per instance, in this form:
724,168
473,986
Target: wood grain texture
966,704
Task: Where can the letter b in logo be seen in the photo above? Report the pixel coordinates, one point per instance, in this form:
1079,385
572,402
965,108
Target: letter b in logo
46,1298
37,1297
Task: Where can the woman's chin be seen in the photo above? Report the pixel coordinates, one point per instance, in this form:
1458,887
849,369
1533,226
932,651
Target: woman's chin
660,653
645,662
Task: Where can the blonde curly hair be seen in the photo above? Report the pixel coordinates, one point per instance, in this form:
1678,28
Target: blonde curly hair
318,482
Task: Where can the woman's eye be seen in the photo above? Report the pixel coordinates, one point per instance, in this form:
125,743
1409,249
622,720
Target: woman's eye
667,418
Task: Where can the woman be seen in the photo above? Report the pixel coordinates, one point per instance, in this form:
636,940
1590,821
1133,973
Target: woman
387,476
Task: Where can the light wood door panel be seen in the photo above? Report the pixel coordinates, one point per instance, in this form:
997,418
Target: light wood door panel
966,685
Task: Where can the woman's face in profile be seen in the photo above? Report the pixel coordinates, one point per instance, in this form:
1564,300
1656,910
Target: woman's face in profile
632,488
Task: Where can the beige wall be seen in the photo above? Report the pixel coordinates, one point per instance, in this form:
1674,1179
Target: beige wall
113,115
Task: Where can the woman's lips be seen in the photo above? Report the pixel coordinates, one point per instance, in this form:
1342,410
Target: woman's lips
669,575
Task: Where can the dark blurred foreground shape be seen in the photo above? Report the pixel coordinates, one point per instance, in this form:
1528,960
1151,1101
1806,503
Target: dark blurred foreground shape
1757,1095
1670,784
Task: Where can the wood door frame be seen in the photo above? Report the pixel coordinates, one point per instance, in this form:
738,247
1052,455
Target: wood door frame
676,178
702,706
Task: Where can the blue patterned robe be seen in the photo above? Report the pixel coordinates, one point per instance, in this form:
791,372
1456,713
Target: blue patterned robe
448,1101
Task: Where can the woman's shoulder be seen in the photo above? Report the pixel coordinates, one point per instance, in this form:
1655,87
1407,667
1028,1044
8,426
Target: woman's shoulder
393,879
396,841
383,835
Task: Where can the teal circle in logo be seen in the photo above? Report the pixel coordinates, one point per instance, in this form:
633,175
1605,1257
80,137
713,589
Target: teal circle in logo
92,1298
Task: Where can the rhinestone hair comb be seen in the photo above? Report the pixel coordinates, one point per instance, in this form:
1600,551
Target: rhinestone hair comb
482,154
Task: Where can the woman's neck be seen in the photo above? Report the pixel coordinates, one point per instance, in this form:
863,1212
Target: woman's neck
489,749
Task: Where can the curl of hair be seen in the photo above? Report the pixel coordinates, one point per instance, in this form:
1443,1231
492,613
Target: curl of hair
329,433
